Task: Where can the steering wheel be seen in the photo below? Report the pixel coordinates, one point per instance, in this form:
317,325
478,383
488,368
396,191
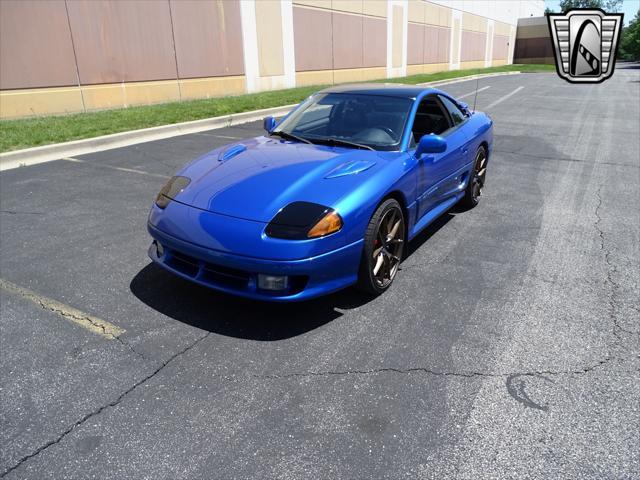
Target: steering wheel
388,131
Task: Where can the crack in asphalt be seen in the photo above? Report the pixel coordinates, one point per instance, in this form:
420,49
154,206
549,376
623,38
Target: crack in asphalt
17,212
428,371
611,270
99,410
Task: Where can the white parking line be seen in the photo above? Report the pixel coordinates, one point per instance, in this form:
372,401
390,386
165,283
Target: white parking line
91,323
111,167
502,99
474,92
218,136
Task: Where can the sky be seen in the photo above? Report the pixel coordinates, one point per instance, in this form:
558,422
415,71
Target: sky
629,8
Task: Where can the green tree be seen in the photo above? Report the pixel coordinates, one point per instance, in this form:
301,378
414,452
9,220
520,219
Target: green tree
630,41
606,5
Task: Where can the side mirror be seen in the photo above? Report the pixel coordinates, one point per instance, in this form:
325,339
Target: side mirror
269,123
431,144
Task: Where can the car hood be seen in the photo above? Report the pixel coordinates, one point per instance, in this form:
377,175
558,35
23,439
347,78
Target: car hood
255,178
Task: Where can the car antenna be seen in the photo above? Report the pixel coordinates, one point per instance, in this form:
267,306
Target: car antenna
475,96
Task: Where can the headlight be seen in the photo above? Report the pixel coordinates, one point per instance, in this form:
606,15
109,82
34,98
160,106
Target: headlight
172,188
303,220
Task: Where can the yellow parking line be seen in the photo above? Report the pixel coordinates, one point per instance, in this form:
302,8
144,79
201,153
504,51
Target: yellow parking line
91,323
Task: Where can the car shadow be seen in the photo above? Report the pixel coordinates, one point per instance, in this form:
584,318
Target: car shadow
238,317
431,230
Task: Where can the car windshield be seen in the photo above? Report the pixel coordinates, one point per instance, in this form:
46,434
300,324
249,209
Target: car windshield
351,120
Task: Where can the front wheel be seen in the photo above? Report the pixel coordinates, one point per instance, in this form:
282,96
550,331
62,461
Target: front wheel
476,180
383,246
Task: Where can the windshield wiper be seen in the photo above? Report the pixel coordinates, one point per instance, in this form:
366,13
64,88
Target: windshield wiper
339,141
290,136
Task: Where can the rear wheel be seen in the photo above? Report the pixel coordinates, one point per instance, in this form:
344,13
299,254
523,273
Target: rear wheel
383,246
476,181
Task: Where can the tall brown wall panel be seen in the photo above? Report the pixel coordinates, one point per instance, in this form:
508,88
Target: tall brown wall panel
208,38
427,44
312,36
356,41
347,40
436,44
415,44
444,39
500,47
374,37
35,45
123,41
431,44
473,46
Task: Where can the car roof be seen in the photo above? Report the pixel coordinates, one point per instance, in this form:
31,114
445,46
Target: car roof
387,89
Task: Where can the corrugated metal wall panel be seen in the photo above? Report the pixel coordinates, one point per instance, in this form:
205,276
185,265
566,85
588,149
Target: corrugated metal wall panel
312,28
374,38
35,45
347,40
122,41
208,38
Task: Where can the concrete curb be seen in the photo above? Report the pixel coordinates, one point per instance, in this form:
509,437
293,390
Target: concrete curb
47,153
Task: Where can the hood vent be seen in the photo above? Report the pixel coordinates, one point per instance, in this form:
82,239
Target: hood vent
231,152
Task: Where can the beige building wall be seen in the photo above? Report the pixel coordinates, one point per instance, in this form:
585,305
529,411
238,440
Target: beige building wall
429,38
60,57
269,32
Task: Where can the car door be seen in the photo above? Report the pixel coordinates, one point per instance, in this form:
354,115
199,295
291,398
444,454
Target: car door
437,173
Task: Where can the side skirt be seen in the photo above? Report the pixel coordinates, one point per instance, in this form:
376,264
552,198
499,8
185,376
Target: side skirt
434,213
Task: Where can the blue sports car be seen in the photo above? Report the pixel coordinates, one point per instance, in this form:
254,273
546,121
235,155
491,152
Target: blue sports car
327,198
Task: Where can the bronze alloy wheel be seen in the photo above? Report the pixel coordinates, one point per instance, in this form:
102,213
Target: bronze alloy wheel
476,181
387,247
479,173
383,247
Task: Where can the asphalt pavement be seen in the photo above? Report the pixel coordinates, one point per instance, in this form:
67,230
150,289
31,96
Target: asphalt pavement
508,346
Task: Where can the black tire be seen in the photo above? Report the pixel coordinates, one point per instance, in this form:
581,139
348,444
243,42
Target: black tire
384,242
476,180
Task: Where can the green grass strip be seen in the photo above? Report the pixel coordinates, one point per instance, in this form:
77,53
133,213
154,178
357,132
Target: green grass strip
36,131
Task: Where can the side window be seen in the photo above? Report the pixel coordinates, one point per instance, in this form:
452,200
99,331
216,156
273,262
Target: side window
456,114
430,118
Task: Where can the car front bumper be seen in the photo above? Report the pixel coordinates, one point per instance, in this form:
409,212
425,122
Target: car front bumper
237,274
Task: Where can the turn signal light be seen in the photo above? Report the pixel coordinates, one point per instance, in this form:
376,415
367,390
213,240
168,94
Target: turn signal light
330,223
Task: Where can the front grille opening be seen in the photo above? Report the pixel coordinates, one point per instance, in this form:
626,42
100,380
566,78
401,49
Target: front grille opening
225,276
183,263
218,275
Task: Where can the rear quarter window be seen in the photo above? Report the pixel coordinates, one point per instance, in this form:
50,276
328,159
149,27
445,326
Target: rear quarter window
456,114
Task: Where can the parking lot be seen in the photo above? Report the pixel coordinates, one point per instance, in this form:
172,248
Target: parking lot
508,346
